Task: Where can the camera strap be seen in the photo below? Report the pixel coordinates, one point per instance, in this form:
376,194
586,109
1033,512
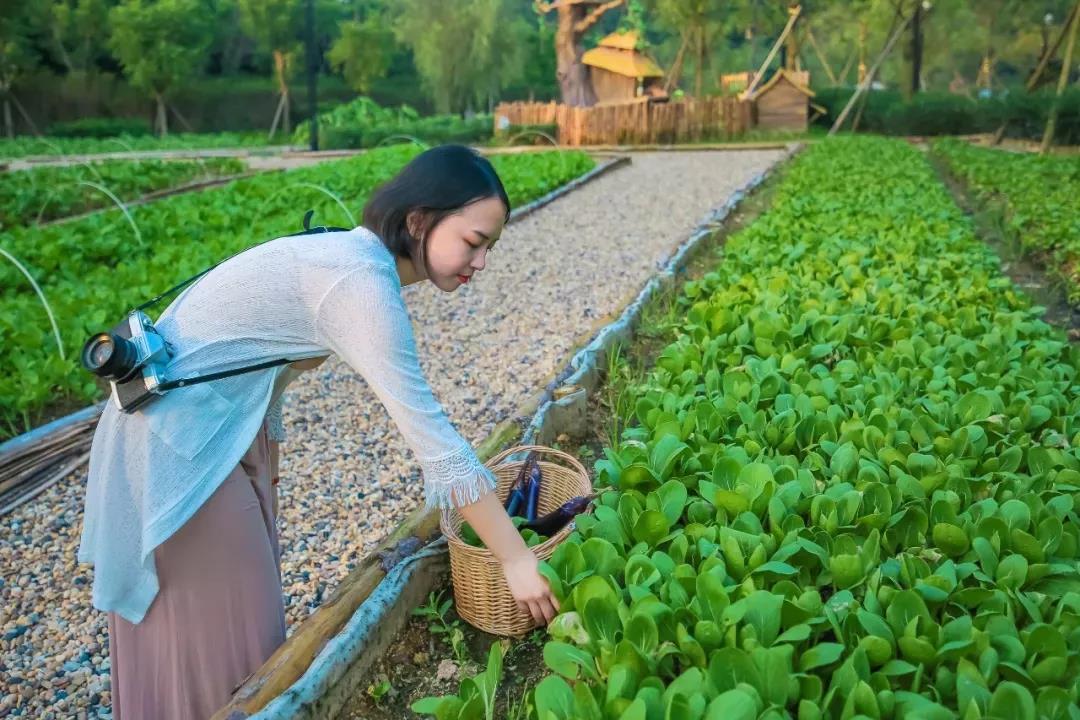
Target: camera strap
172,384
308,230
184,382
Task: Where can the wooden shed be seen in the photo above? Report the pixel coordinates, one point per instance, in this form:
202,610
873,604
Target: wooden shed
621,72
783,103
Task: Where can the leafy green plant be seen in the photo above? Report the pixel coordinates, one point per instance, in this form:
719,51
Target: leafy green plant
46,193
531,538
435,613
847,485
378,691
1035,197
52,145
476,695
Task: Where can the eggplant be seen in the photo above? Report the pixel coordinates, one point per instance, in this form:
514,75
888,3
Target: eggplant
532,494
516,501
555,520
517,492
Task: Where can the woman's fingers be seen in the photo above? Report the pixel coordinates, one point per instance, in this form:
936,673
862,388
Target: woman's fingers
547,605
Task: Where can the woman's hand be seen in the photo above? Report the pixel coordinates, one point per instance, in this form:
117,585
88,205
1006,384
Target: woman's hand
528,587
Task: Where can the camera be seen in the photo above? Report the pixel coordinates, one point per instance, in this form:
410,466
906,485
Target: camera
132,357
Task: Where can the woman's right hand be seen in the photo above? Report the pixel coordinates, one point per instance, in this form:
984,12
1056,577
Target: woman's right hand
529,588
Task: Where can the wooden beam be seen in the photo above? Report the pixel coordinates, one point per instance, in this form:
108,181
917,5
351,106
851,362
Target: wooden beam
793,15
1040,68
594,16
869,76
1063,80
821,56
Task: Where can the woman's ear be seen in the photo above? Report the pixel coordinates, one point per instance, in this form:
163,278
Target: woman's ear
414,223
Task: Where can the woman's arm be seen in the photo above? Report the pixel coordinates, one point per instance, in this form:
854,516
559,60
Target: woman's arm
363,319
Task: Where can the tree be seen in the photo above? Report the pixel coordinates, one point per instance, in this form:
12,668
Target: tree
575,18
79,30
273,24
465,52
698,23
15,60
363,50
160,43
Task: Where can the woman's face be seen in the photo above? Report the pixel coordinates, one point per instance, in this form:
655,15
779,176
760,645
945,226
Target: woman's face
458,246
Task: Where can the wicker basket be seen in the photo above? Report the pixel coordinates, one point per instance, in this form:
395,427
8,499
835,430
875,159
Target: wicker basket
480,592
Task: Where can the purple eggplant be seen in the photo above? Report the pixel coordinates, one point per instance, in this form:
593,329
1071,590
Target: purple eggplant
515,502
532,493
555,520
518,486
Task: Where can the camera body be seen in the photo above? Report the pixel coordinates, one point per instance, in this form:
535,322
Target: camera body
132,356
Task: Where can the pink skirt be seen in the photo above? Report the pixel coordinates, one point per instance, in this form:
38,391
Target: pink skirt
219,612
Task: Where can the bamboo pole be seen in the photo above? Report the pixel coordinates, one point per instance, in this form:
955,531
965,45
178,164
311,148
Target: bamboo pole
793,15
1040,68
820,56
869,76
1063,80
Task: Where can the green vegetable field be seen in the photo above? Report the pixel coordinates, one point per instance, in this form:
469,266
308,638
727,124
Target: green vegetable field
29,146
1038,196
849,485
51,192
95,269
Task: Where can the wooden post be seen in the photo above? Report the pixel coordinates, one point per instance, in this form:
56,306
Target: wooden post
869,76
1063,80
793,15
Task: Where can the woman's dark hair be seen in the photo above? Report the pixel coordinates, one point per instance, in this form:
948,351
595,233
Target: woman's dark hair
437,182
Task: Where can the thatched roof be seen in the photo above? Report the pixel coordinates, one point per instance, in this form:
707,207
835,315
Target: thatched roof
616,54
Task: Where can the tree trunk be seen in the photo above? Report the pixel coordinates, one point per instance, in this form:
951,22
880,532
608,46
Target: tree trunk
162,123
281,66
916,50
9,126
573,75
700,70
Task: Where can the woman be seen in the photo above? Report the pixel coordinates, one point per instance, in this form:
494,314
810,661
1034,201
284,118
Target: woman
180,518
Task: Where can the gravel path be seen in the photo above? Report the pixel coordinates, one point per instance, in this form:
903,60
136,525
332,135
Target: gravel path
348,478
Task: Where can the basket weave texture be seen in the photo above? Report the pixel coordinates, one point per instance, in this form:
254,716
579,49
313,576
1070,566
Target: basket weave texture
481,595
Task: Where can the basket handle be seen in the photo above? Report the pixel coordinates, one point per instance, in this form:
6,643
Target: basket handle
573,461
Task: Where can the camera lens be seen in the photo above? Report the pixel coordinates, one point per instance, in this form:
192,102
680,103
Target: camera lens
109,356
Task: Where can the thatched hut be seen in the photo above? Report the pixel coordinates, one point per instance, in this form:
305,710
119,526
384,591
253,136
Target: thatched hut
620,72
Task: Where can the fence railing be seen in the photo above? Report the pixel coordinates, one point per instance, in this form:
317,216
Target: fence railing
634,123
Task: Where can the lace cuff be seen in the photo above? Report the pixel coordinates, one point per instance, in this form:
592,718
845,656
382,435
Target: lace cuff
456,479
276,427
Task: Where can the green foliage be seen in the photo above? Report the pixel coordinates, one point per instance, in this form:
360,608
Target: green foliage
160,43
465,52
360,114
93,270
949,114
47,193
28,146
1037,196
362,52
849,485
100,127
